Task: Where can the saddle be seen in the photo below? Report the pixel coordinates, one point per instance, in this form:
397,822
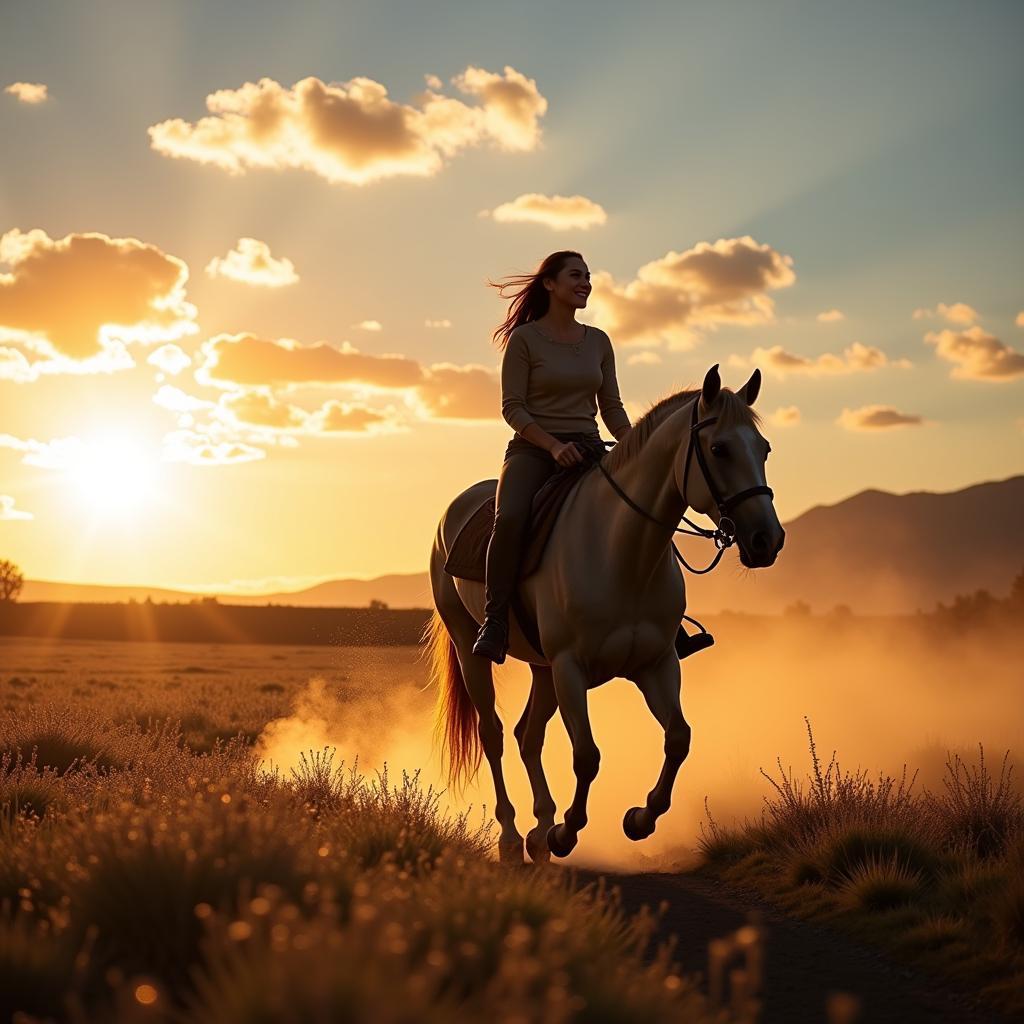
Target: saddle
468,555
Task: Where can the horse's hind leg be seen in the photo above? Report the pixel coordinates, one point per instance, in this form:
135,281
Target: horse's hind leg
530,734
660,687
571,691
476,671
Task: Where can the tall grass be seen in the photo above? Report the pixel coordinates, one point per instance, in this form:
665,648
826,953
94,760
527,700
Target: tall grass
161,884
937,876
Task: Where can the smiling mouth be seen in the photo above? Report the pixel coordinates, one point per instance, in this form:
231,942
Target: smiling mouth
582,295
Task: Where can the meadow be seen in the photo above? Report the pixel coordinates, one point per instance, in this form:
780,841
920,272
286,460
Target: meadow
256,832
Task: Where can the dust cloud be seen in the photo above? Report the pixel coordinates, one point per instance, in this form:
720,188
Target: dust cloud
881,692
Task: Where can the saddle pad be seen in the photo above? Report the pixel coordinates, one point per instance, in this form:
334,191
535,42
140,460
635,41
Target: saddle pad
468,555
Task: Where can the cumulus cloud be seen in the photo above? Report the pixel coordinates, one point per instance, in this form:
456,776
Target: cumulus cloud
251,262
645,358
246,360
176,400
460,392
346,418
60,453
370,325
978,354
785,416
673,298
558,212
353,132
448,323
854,358
200,449
830,316
954,313
877,417
9,512
261,409
85,295
28,92
170,359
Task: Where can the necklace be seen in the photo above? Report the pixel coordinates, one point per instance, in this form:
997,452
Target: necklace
577,346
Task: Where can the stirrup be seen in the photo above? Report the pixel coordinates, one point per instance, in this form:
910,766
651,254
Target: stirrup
686,645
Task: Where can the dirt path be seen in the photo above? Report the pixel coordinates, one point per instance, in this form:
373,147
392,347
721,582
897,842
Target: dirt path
804,962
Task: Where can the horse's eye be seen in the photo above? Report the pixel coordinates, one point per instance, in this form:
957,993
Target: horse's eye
719,450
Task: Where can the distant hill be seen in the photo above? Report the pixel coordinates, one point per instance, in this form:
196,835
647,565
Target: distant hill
883,553
877,552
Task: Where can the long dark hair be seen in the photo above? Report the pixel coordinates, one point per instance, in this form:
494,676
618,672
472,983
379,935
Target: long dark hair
531,300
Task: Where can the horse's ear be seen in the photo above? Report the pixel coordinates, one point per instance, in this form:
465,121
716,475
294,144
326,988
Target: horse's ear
710,388
750,390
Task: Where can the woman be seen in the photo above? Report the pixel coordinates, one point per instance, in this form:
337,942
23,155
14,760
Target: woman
555,374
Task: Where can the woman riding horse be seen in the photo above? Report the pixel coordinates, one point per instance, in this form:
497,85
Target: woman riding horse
555,374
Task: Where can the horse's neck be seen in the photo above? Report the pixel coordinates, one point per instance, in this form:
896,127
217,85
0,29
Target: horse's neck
632,545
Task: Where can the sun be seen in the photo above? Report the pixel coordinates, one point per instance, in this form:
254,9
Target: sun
114,476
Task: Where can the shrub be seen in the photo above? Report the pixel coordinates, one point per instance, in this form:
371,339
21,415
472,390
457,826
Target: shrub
879,884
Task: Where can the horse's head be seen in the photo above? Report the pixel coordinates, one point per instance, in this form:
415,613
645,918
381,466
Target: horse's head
723,474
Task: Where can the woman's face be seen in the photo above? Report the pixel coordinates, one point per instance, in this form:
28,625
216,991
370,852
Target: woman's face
572,286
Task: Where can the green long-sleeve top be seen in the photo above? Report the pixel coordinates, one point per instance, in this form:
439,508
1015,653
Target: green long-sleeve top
560,385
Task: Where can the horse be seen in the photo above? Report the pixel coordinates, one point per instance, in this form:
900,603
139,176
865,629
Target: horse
607,599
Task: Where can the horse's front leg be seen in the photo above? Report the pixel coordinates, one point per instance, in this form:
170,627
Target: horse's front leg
660,686
571,693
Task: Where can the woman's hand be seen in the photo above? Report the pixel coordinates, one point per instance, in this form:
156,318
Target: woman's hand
566,454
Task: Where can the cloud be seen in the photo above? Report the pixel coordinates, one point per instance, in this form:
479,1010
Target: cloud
170,397
955,313
448,323
243,359
60,453
85,294
342,417
558,212
645,358
1020,319
830,316
251,262
370,325
877,417
673,298
353,132
262,409
200,449
785,416
460,392
9,512
854,358
28,92
980,355
170,359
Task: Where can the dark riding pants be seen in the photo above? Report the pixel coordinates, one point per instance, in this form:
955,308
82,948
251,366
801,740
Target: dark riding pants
525,468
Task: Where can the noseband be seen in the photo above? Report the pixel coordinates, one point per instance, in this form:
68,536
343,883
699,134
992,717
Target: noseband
724,534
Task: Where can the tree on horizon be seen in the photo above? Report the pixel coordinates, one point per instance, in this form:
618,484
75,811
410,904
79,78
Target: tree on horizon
11,581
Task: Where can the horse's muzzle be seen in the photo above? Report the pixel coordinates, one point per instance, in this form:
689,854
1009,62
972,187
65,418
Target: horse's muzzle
761,548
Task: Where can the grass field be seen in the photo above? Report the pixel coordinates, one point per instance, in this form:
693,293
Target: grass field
196,849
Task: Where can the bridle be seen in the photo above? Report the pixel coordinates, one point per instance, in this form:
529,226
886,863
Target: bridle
724,534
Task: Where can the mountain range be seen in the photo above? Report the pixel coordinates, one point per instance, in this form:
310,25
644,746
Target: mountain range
875,552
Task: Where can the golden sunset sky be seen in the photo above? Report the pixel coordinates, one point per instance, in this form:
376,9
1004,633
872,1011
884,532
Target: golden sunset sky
244,320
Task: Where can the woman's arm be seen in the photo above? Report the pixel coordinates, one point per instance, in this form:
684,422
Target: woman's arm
608,400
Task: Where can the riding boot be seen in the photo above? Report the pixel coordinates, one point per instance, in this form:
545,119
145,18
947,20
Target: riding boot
492,639
687,645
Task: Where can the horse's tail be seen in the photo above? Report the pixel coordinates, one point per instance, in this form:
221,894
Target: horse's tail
456,726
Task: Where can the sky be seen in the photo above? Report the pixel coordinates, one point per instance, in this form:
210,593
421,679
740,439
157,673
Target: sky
245,319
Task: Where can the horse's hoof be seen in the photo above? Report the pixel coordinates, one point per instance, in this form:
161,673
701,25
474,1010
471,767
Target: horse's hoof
560,841
537,846
638,823
511,853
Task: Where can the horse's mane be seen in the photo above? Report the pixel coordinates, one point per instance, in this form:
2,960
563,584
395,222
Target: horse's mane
731,410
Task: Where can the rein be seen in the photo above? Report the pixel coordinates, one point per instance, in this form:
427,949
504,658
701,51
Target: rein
724,534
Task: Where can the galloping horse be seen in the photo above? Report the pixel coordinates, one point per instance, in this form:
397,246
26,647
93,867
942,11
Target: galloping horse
607,599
